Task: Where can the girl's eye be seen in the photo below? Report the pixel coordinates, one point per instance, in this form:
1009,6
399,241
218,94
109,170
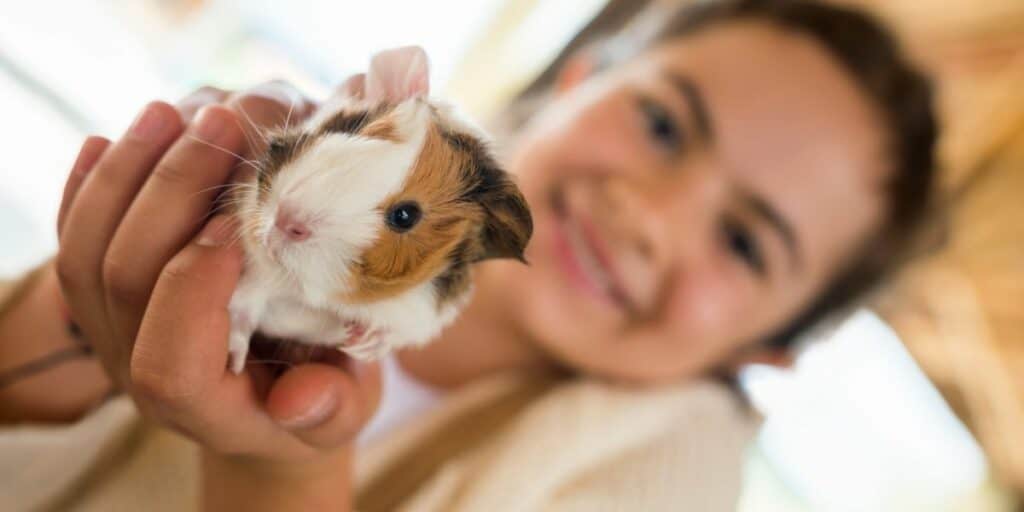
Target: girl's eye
660,125
403,216
743,244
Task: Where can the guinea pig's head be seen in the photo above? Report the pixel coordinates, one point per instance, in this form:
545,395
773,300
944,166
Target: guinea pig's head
384,193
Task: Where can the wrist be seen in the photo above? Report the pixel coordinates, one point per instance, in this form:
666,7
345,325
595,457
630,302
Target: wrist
39,356
251,483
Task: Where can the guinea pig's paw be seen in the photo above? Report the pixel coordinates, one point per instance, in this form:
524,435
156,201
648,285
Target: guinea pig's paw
242,328
237,358
238,350
370,347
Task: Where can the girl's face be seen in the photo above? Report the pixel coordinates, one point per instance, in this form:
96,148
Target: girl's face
691,202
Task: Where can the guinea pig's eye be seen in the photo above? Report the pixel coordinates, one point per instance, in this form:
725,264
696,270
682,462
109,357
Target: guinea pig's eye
403,216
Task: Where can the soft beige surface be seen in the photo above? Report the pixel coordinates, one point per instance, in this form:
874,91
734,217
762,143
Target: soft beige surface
960,311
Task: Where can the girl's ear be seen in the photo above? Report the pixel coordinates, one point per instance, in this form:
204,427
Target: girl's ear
397,75
580,66
777,357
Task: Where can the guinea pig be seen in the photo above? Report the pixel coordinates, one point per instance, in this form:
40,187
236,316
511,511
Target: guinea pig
359,226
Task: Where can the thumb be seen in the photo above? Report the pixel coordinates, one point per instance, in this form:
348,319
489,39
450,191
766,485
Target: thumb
181,349
323,405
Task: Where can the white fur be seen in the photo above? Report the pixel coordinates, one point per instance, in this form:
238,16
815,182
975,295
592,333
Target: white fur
291,290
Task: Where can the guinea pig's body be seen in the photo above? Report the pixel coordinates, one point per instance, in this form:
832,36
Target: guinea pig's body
360,225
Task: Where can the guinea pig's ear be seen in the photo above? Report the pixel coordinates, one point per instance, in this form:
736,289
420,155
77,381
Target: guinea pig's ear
508,224
397,75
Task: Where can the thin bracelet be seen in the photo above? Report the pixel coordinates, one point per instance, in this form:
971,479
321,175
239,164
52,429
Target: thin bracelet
81,349
43,363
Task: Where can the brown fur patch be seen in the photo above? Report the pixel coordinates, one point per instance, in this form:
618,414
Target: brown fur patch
399,261
472,211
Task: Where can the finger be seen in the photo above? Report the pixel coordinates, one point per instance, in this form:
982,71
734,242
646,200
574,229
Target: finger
188,177
178,366
190,105
94,216
181,349
324,406
90,153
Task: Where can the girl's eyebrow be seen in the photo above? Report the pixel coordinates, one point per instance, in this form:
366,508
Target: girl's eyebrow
698,108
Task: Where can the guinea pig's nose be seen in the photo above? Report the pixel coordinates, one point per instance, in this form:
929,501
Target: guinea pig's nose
292,228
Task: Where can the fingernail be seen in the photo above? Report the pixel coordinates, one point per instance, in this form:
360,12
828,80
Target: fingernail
312,416
150,124
210,124
216,233
279,92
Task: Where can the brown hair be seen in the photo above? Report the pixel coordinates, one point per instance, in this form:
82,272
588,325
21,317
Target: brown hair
874,60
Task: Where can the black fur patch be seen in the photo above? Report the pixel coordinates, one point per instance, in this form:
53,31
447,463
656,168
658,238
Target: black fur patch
508,225
352,121
281,149
454,281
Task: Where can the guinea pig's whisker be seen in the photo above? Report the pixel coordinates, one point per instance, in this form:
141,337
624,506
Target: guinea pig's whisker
249,140
288,118
227,187
240,158
255,128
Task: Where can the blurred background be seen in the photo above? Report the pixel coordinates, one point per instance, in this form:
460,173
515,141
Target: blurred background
915,404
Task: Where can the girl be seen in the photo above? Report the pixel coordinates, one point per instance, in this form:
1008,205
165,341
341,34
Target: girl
700,197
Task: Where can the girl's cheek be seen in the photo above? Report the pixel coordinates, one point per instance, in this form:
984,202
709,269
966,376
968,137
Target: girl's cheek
605,138
700,307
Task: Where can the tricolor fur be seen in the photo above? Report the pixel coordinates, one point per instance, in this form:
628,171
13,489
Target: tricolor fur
357,282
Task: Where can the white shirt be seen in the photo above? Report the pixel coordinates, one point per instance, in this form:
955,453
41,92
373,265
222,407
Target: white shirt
403,397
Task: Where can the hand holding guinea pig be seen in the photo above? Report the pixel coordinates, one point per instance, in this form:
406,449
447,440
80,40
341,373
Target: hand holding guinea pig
150,289
401,196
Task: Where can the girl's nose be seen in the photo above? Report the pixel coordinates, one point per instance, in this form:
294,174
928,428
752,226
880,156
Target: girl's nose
665,217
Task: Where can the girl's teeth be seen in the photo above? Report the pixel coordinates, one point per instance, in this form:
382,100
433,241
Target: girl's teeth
587,260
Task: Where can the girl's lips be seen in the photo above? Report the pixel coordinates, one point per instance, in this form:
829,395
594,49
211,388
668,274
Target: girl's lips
583,257
603,255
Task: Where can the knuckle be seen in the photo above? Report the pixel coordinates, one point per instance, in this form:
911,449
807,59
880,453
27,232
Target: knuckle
177,271
71,269
171,172
118,281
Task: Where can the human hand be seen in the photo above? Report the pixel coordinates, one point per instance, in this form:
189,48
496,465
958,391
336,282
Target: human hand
154,306
116,228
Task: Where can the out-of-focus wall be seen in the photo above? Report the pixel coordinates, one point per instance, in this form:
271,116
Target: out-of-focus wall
961,312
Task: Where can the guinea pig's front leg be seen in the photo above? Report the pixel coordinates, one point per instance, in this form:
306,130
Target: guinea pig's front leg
246,309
